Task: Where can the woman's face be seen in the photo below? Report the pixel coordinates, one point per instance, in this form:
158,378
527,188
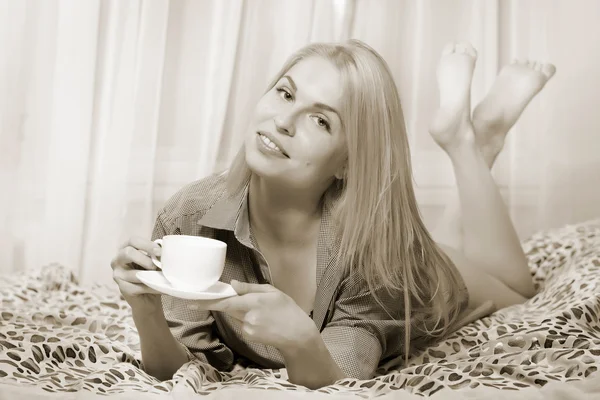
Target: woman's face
295,134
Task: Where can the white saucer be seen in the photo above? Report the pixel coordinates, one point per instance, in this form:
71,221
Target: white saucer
157,281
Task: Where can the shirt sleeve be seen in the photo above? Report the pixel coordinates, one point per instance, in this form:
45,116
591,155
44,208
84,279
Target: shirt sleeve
194,329
361,332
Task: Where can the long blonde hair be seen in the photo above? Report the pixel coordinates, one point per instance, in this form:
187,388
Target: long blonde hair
383,238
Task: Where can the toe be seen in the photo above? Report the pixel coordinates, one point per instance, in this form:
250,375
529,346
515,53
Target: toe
449,48
465,48
470,50
461,47
549,70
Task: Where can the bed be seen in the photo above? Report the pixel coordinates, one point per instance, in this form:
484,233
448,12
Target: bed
59,339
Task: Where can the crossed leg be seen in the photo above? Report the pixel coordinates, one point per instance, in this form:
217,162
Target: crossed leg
476,230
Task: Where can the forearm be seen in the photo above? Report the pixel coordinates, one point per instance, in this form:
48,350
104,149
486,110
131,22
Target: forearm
162,354
311,364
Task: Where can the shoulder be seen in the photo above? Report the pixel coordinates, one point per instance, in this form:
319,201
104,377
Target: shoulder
194,199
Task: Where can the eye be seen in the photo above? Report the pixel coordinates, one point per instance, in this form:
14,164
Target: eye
322,122
285,94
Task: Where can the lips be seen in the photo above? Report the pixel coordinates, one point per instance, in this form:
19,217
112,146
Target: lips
275,141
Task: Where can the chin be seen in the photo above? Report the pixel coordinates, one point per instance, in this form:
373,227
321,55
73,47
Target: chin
257,162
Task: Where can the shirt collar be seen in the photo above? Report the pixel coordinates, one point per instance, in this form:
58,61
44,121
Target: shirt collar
230,212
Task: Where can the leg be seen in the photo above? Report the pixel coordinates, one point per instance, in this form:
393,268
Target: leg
493,118
458,64
489,239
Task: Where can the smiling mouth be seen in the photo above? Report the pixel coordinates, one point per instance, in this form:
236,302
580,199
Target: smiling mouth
270,144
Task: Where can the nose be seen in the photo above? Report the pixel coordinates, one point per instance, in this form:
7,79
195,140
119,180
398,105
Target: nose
285,125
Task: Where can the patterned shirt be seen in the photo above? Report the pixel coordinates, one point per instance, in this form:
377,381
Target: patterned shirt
357,331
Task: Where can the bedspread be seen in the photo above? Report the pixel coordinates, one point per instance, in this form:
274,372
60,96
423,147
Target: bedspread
58,336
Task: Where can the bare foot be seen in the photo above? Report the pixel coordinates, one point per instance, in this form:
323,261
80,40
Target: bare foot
451,123
512,91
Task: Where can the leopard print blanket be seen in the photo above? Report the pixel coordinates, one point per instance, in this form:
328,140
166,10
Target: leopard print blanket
60,337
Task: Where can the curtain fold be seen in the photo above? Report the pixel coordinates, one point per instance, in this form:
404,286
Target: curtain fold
108,107
127,103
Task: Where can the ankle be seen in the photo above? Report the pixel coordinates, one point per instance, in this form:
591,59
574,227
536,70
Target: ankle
489,155
488,126
459,150
491,148
461,142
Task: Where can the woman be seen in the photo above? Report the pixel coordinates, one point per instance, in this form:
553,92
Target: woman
326,247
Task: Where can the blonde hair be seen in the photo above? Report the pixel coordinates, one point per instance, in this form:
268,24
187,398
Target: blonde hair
384,238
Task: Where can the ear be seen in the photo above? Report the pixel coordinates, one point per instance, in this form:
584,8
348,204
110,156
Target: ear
341,172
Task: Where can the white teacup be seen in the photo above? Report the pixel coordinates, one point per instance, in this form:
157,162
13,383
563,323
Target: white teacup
191,262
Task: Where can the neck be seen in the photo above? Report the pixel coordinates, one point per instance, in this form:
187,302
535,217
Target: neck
281,213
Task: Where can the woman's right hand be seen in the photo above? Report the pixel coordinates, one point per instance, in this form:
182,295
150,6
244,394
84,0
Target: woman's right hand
131,258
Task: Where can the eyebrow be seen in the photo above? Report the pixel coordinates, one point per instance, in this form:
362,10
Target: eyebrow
289,78
317,105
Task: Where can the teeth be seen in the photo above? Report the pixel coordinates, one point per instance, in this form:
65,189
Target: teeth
269,143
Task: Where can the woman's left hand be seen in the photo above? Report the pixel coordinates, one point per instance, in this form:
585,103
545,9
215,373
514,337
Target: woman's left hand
268,315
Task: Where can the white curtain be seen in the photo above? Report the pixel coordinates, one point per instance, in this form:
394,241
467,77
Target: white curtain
107,107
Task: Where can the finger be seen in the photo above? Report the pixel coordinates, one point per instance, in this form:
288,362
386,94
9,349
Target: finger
211,305
238,315
251,324
205,305
248,332
130,255
234,306
143,244
134,289
127,275
242,288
